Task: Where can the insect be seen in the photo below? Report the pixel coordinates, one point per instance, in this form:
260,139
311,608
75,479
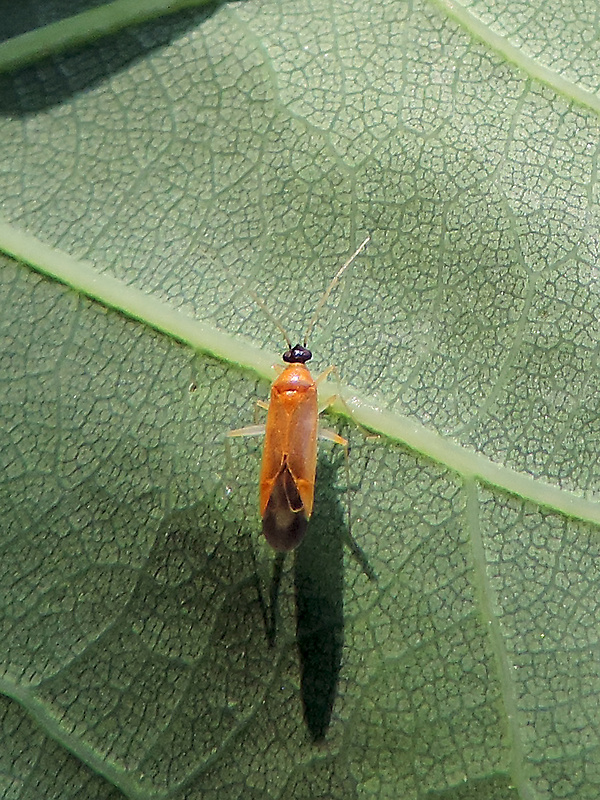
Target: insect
289,460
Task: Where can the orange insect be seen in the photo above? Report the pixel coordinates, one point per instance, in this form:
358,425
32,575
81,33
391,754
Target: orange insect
289,462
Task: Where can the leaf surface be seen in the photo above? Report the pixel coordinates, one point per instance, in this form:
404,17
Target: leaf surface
171,170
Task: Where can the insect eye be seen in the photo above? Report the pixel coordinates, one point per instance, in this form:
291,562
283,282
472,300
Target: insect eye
297,355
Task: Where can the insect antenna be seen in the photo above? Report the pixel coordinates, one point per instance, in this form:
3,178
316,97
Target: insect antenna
331,287
273,318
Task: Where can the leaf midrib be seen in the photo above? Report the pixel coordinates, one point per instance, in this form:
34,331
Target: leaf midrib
84,277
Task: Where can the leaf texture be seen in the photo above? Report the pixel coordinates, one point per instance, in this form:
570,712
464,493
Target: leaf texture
183,164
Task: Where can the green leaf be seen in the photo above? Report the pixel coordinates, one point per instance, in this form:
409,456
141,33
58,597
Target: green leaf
152,181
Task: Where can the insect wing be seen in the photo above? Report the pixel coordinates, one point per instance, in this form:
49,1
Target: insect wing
285,519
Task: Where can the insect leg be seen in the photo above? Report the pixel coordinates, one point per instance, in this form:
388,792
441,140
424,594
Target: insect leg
250,430
323,406
332,398
332,436
326,373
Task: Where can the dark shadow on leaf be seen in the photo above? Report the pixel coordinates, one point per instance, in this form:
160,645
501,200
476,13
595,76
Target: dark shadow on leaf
20,18
495,787
185,638
58,76
271,608
319,579
199,567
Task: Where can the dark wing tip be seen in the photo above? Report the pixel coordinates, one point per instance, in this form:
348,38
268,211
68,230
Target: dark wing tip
284,520
284,536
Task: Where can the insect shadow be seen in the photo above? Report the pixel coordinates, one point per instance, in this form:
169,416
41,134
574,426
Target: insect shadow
195,559
319,585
